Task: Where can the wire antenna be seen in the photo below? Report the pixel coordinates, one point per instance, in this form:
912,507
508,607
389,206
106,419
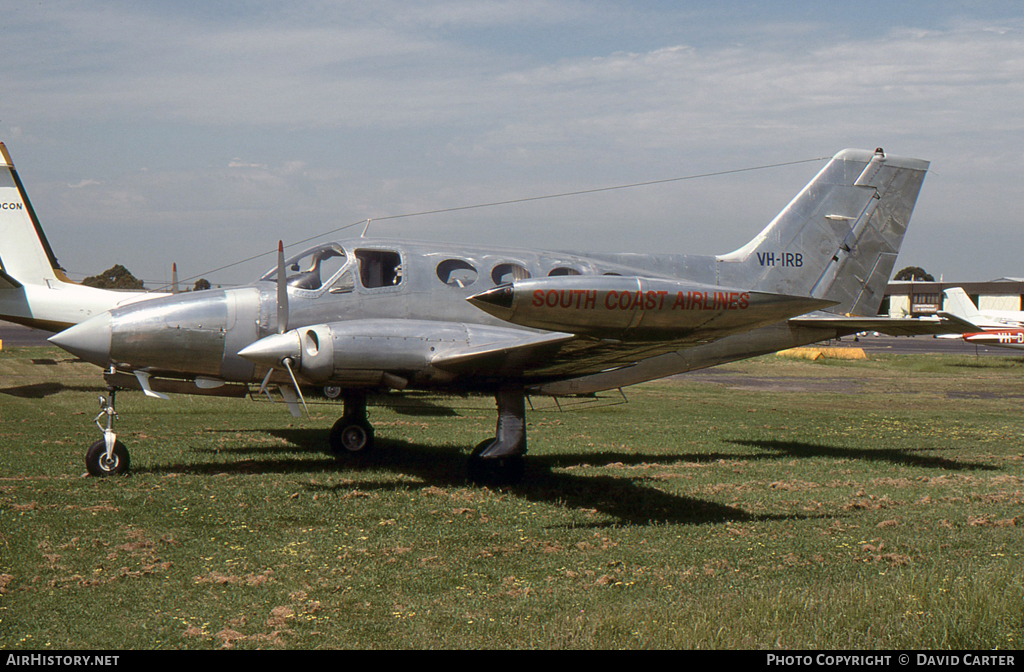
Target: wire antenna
513,201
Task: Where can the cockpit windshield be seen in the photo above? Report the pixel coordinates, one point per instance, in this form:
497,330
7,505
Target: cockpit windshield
312,268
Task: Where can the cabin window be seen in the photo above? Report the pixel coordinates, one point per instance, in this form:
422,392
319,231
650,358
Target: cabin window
456,273
563,270
506,273
379,268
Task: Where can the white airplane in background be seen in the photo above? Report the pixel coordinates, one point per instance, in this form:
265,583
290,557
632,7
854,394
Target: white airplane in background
1004,328
34,290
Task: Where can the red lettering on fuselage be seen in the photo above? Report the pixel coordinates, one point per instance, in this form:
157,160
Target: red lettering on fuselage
655,300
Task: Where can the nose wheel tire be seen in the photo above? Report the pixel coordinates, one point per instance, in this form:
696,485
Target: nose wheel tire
351,437
98,464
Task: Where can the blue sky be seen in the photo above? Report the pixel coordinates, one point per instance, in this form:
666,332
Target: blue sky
202,132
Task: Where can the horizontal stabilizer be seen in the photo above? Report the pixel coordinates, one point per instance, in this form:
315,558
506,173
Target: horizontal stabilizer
893,326
7,282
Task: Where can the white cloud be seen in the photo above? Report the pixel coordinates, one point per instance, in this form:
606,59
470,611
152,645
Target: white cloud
239,163
439,105
84,183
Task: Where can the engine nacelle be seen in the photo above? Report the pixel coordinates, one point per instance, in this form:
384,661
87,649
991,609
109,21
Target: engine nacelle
360,352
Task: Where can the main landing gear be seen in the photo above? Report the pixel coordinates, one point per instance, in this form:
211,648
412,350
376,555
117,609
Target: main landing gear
500,461
496,461
108,456
352,434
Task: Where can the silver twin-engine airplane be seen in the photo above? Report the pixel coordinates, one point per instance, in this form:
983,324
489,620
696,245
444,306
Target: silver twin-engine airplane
371,314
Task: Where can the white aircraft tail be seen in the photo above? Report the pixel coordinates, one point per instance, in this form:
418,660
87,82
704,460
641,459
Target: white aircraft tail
25,254
838,239
34,289
959,304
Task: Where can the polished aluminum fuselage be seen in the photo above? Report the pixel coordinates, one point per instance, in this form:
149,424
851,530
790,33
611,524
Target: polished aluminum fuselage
199,334
372,312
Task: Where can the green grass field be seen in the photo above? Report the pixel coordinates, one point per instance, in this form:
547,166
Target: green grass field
766,504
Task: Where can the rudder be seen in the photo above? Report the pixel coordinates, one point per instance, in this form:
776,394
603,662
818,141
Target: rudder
959,304
838,239
25,254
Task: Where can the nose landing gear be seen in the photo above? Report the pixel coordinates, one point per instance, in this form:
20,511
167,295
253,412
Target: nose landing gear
108,456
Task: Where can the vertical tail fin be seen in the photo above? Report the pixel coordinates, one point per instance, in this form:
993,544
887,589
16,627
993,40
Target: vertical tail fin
25,254
958,304
838,239
34,290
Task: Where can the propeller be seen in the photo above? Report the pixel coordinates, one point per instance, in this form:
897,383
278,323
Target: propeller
282,328
282,291
287,361
282,307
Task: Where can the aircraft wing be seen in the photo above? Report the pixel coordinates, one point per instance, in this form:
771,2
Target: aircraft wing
550,357
943,323
521,348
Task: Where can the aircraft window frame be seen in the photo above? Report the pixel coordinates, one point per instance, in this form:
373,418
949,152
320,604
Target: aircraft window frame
310,254
392,275
562,271
338,287
449,267
499,271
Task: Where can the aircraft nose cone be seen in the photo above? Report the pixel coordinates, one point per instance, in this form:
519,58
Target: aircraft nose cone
89,340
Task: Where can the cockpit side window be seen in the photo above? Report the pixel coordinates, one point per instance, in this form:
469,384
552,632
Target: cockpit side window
379,268
311,269
344,284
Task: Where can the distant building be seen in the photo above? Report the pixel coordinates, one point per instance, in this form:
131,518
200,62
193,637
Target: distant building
915,298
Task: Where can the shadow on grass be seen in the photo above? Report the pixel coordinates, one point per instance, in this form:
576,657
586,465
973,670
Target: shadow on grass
43,390
625,499
907,458
414,406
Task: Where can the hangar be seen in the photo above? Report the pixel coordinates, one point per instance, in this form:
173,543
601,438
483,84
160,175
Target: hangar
915,297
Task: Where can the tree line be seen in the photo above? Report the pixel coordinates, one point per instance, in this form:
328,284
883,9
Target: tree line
119,277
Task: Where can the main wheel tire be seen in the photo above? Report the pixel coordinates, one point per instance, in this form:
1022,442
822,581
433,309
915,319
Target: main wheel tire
495,471
97,463
332,392
351,437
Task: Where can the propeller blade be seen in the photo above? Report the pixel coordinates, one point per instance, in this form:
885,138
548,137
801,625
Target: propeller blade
266,379
282,291
287,361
